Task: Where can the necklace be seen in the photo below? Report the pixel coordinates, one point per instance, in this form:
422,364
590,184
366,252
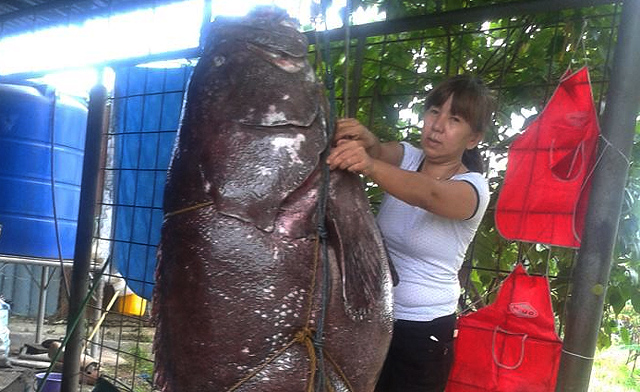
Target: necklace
449,173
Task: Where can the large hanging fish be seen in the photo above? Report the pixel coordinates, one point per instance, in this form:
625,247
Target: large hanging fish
239,280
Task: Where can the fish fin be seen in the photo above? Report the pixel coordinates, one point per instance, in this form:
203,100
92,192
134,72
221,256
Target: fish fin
360,252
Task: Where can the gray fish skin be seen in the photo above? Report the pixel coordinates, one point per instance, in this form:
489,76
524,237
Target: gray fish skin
238,275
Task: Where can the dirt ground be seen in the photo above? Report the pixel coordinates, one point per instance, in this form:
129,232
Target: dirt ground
123,349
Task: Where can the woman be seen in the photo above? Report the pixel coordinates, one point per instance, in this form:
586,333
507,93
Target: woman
435,199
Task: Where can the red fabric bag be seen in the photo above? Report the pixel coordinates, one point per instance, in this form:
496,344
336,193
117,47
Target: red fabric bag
546,187
510,345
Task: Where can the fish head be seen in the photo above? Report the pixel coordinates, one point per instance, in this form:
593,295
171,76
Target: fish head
254,123
260,68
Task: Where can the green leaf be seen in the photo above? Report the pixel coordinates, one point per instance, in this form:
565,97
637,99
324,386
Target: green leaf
635,301
625,337
616,299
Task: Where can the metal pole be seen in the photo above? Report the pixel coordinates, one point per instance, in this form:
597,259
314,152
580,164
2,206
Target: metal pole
41,262
591,274
42,303
456,17
97,315
82,254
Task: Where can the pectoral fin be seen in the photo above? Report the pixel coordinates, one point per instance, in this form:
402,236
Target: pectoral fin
360,252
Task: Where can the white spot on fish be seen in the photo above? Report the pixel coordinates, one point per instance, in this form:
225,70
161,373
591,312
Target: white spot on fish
310,76
218,60
273,117
287,23
290,145
285,97
245,350
207,186
265,171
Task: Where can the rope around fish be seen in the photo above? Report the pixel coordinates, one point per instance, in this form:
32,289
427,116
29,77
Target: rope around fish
187,209
304,336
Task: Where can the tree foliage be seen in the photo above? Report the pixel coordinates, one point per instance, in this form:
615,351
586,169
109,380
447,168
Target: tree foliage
522,59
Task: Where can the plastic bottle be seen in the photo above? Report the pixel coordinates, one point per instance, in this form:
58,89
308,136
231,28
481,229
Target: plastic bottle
5,342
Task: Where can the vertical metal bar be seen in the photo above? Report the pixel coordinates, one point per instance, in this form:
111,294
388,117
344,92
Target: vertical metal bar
42,303
593,266
96,316
206,20
82,256
357,77
346,21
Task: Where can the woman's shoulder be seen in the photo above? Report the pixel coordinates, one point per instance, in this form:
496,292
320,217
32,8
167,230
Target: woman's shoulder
481,186
411,156
472,175
478,180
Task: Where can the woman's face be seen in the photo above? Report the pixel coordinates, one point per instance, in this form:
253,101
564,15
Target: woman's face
446,136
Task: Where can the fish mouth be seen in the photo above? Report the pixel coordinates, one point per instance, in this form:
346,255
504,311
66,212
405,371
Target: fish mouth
282,60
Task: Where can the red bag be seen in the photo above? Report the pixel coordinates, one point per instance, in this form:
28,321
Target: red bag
547,183
510,345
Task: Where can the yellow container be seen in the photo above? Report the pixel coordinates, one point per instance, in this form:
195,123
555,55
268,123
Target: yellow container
132,305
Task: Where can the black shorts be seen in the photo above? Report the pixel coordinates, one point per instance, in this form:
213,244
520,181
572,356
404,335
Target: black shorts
420,356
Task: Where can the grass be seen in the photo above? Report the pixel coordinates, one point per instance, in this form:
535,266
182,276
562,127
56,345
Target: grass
611,373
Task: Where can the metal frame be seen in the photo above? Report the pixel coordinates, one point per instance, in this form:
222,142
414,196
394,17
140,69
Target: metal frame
591,274
594,260
42,298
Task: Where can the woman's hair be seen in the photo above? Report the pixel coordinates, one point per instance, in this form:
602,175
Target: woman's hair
473,101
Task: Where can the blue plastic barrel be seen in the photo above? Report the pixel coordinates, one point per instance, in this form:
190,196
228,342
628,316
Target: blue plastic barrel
53,382
34,124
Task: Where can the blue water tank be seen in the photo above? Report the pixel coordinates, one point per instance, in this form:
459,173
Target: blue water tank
35,123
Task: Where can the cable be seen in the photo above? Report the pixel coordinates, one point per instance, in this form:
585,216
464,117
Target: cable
52,118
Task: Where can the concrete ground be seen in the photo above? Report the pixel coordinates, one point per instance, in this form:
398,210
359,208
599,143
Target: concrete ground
123,351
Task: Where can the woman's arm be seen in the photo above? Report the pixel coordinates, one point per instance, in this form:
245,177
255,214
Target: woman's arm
449,198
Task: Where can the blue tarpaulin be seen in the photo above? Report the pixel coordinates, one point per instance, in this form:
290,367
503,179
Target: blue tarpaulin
147,107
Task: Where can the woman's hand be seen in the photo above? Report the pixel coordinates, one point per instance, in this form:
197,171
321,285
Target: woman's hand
352,129
352,156
356,148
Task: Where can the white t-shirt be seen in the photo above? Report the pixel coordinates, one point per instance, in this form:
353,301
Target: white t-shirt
426,249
